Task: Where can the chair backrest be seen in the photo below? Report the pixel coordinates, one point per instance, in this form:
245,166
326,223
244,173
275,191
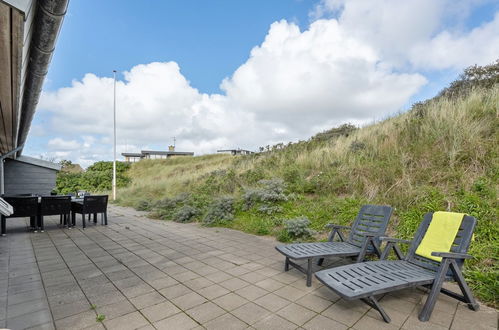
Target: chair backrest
23,206
95,203
54,205
460,245
372,219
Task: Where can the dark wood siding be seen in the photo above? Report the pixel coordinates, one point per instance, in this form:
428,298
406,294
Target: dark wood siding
24,178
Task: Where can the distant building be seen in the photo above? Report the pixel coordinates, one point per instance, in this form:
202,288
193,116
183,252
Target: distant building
235,152
133,157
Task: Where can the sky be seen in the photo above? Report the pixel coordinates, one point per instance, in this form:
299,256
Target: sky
227,74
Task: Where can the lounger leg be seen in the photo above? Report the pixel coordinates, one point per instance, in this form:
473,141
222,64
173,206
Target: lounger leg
320,262
309,272
83,217
3,225
42,226
105,218
371,301
435,291
465,289
286,264
95,217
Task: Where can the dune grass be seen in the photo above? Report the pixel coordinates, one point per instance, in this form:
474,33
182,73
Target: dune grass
440,155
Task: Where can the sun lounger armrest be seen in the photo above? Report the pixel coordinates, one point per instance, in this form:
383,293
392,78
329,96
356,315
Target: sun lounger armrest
395,240
336,230
392,244
452,255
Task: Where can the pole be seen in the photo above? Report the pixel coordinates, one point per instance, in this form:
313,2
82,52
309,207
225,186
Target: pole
114,144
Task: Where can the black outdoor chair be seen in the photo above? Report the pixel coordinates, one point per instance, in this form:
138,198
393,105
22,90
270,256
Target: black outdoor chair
370,224
366,280
54,205
23,206
92,204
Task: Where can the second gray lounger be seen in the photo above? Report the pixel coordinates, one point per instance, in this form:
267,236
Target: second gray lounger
369,225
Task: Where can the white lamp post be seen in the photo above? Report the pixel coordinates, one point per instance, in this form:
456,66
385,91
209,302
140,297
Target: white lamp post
114,144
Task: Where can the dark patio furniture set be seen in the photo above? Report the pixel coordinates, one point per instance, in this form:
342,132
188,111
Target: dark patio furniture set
36,207
366,280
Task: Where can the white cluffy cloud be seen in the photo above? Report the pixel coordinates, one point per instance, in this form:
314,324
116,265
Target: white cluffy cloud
357,61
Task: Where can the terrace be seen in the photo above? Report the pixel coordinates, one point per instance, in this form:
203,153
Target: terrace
142,273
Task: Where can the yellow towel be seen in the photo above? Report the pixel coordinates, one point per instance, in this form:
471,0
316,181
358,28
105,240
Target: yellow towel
440,235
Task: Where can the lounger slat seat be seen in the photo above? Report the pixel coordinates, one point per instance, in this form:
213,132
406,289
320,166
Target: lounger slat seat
374,277
369,225
366,280
318,250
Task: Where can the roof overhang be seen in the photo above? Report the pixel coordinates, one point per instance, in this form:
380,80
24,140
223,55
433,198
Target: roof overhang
39,162
28,32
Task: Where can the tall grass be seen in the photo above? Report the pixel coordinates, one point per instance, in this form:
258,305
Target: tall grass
440,155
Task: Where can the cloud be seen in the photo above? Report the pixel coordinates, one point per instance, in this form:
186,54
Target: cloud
60,144
357,61
417,34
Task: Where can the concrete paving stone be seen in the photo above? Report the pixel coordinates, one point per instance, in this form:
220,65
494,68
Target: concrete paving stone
137,290
413,323
314,303
128,282
398,318
106,298
99,290
189,300
296,314
162,282
326,293
230,301
27,307
323,323
120,275
112,311
129,321
159,311
46,326
29,320
272,302
213,291
175,291
24,279
237,271
60,311
179,321
185,276
148,299
369,323
226,322
290,293
198,283
218,277
205,312
400,305
25,296
251,292
345,312
270,284
234,284
15,289
274,322
250,313
484,318
252,277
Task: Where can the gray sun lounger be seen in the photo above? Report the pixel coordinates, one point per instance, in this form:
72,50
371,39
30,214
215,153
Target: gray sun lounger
369,225
366,280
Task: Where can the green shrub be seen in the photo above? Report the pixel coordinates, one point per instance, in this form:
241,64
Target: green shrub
185,214
269,192
144,205
221,210
298,227
270,209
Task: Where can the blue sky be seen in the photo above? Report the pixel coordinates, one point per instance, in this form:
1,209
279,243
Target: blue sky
209,41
